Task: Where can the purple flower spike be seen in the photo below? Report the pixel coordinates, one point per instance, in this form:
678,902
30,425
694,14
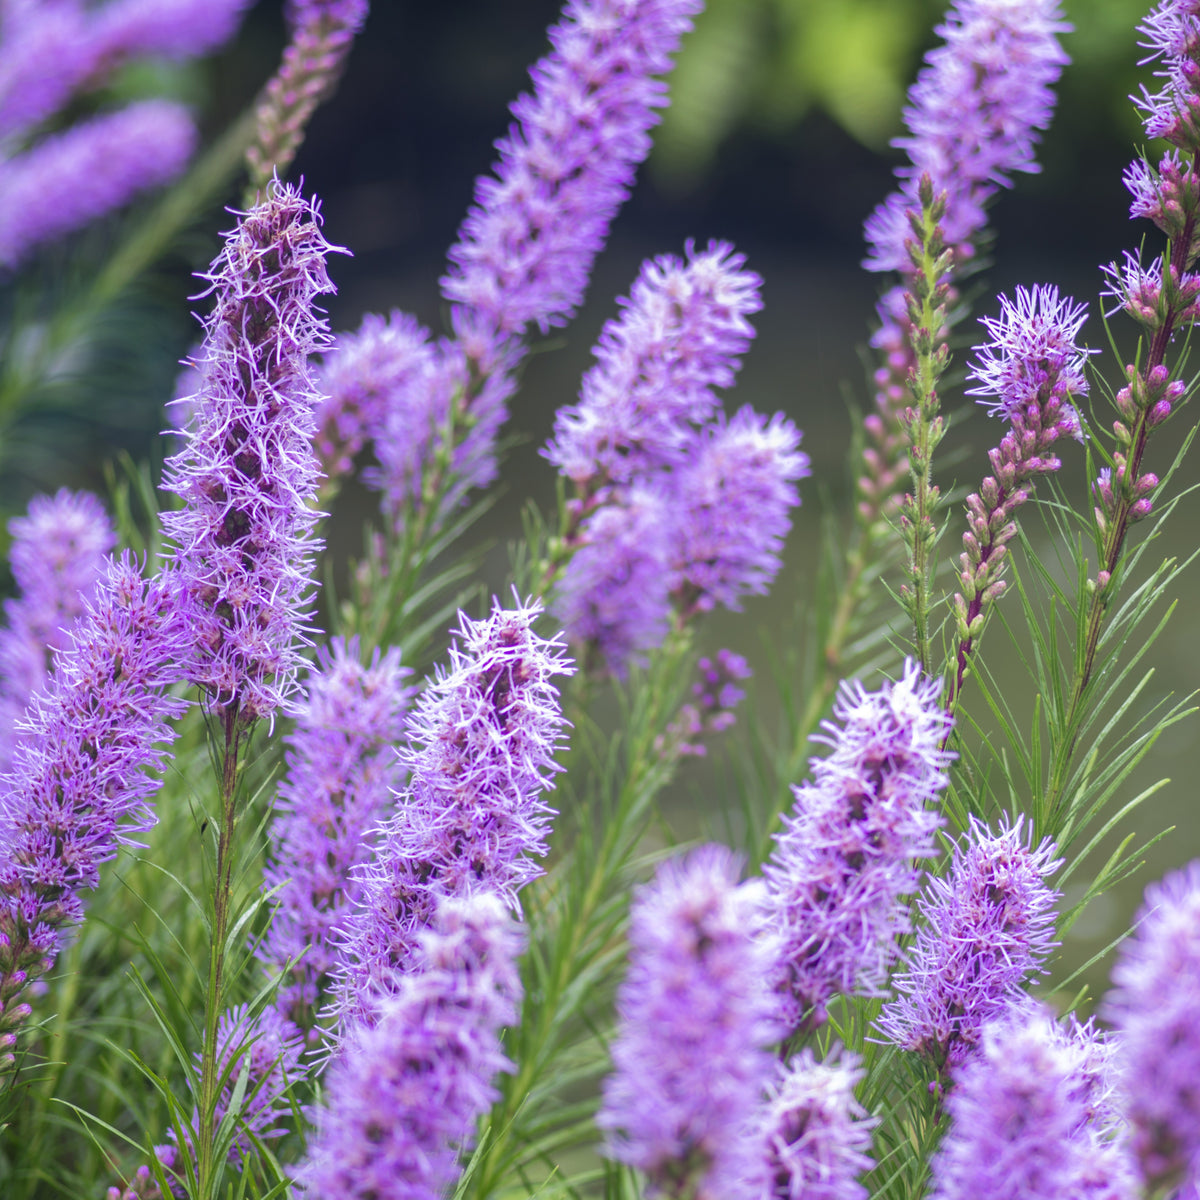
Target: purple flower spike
695,1012
342,773
482,741
402,1100
243,541
682,333
79,785
1156,986
851,849
166,28
1029,1118
987,928
525,250
817,1133
1172,34
72,178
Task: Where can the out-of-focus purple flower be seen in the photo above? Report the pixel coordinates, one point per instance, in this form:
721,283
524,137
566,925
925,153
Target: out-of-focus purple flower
243,542
342,771
817,1134
482,740
79,785
344,14
974,117
1173,113
48,51
167,28
732,499
851,850
715,696
695,1012
1153,1008
986,929
682,333
402,1099
525,250
71,178
1028,1118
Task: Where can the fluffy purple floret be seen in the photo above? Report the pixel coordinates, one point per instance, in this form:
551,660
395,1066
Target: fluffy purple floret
482,740
732,500
974,116
243,542
79,784
525,250
817,1134
851,850
1171,33
1029,1117
1156,989
402,1099
72,178
348,15
985,930
167,28
682,333
342,770
694,1013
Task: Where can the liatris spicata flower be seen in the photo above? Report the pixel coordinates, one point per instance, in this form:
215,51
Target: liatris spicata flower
79,785
525,250
986,929
57,555
243,541
482,740
851,849
402,1099
1170,33
682,333
165,28
71,178
342,771
695,1012
817,1134
1153,1008
1027,1119
715,695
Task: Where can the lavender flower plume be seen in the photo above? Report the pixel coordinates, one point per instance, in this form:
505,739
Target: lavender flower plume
525,250
1172,113
851,849
341,772
70,179
78,785
694,1014
817,1135
402,1100
243,542
1029,1117
1152,1006
482,740
166,28
986,929
683,331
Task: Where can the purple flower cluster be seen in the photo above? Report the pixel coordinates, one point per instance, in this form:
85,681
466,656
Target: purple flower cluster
1030,1117
714,697
164,28
79,785
851,849
695,1013
247,473
402,1099
817,1133
482,740
1153,1008
1172,34
342,770
986,929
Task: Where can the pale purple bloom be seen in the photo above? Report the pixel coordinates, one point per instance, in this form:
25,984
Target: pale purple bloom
342,770
46,53
985,929
1153,1006
402,1099
1140,291
526,248
79,786
714,697
1167,195
817,1134
70,179
167,28
482,740
695,1012
347,15
682,333
1029,1119
851,849
1170,33
243,542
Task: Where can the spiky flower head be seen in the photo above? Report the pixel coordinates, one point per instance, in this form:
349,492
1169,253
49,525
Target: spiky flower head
1171,33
